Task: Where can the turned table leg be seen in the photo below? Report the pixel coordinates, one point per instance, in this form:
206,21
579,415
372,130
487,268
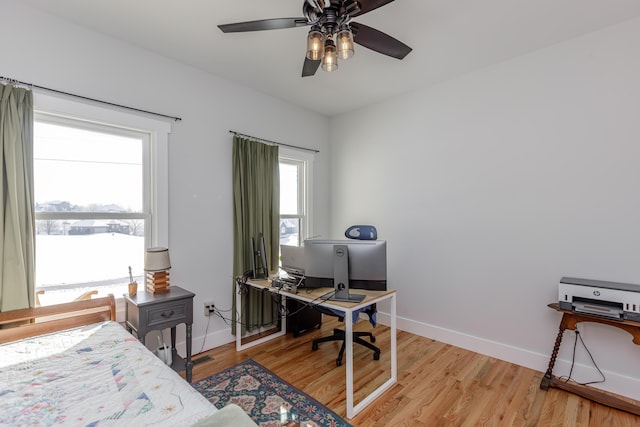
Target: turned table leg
546,380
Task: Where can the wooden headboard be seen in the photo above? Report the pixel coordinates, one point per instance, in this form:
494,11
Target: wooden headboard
52,318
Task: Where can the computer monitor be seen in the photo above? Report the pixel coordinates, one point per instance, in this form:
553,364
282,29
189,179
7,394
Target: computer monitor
344,265
292,259
259,266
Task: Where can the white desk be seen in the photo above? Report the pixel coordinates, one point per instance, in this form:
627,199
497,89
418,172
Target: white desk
348,308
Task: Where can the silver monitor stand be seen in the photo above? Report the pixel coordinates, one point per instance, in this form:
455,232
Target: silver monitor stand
341,277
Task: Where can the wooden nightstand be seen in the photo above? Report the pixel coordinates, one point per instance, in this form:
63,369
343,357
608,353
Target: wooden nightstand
154,312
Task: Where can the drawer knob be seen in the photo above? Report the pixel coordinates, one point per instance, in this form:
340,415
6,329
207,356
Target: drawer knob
166,316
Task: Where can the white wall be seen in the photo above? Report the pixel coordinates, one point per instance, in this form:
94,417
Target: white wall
491,187
46,51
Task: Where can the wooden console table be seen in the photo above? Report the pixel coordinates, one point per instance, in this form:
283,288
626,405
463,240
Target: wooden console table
569,321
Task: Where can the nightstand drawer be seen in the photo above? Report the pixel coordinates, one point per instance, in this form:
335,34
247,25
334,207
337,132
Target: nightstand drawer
175,312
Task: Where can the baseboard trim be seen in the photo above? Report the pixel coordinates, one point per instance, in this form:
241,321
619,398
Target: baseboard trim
615,383
212,340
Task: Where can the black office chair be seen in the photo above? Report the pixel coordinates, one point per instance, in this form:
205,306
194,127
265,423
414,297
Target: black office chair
339,335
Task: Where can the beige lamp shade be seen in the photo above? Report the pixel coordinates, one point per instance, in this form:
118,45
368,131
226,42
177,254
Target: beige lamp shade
157,259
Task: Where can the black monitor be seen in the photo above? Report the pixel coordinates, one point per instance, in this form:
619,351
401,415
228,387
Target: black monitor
344,265
259,266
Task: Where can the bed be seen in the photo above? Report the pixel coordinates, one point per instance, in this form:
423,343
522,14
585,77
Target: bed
72,364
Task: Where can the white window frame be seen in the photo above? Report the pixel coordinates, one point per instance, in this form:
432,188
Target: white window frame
305,197
155,151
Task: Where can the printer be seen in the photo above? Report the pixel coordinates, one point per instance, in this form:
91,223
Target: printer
612,300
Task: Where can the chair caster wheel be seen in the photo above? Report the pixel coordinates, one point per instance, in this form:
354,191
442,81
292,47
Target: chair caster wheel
338,362
314,346
376,356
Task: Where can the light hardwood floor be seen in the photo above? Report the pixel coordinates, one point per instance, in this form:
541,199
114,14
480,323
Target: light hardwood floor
438,384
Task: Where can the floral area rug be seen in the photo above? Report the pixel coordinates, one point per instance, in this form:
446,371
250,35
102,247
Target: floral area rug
268,400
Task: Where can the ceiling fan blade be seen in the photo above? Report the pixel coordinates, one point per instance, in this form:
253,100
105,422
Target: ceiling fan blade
310,67
378,41
263,24
369,5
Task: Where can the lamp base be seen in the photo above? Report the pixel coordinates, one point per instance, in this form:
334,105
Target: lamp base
157,282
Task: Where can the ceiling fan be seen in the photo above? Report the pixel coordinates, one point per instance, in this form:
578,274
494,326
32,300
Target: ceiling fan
332,32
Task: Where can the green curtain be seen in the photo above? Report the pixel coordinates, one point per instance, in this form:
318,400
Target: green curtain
17,224
256,210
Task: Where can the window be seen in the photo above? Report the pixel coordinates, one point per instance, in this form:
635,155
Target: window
295,173
100,199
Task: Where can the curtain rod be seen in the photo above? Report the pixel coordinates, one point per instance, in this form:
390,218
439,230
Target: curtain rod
31,85
272,142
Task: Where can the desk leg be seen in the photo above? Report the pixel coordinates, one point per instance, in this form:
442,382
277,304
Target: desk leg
238,318
394,370
348,342
239,345
394,341
283,319
189,363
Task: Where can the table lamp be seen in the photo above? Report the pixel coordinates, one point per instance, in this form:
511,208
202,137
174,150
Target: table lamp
156,267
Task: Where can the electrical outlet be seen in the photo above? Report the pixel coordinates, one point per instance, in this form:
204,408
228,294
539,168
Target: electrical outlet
209,308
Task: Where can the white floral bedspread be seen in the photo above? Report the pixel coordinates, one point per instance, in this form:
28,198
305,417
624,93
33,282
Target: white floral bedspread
97,375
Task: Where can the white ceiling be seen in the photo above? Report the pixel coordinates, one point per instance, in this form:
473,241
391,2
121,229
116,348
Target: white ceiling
448,37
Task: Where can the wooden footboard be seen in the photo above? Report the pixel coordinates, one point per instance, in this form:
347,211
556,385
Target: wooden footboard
30,322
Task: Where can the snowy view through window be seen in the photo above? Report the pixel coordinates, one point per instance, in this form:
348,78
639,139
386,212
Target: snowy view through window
88,187
290,206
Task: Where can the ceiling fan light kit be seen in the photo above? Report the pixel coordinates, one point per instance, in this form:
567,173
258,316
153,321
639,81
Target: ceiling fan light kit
331,20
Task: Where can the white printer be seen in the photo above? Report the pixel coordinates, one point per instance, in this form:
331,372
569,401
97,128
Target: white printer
600,298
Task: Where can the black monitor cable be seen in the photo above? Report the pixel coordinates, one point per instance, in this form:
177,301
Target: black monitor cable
304,305
242,289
